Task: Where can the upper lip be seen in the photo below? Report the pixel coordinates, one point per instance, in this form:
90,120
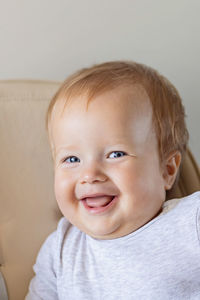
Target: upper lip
95,195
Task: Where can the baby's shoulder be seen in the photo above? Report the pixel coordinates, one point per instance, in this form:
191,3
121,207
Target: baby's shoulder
63,226
55,238
182,212
193,197
189,203
66,232
56,242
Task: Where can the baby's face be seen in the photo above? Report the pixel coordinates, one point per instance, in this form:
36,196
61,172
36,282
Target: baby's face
108,178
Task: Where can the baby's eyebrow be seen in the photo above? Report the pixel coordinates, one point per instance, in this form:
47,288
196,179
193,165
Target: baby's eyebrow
62,150
65,147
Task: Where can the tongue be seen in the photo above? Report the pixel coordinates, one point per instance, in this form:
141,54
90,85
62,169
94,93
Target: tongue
98,201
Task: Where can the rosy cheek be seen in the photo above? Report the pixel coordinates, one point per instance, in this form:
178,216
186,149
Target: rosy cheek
64,189
59,184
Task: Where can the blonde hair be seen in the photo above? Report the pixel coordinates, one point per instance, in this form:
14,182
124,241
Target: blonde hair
168,111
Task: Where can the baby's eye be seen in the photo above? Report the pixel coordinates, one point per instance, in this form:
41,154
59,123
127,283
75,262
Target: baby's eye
71,159
116,154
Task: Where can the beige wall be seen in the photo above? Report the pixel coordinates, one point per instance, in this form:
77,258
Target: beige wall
48,39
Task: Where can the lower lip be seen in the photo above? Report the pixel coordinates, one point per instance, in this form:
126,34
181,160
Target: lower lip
100,209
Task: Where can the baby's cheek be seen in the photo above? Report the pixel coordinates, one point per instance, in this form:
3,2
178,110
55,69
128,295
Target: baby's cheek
64,189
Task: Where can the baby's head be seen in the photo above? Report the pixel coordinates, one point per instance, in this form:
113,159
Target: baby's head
117,134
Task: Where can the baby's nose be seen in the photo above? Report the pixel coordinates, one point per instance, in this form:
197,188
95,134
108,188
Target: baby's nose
92,174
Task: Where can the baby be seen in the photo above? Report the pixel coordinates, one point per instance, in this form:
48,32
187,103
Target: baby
118,135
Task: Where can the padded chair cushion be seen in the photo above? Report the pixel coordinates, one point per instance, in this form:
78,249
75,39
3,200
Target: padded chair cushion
28,210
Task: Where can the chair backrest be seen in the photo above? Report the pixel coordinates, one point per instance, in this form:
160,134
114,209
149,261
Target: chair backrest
28,210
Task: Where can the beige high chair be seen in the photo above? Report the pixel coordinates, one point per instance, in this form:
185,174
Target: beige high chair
28,210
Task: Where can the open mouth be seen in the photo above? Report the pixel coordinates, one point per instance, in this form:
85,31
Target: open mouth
98,204
100,201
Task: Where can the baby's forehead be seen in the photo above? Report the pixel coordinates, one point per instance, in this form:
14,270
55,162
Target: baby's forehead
125,114
129,107
134,97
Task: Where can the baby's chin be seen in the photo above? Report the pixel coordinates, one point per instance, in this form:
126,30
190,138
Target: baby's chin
101,232
107,232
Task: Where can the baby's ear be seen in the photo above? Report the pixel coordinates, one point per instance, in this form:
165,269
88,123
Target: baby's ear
171,167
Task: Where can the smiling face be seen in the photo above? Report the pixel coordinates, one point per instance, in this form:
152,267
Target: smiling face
108,178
